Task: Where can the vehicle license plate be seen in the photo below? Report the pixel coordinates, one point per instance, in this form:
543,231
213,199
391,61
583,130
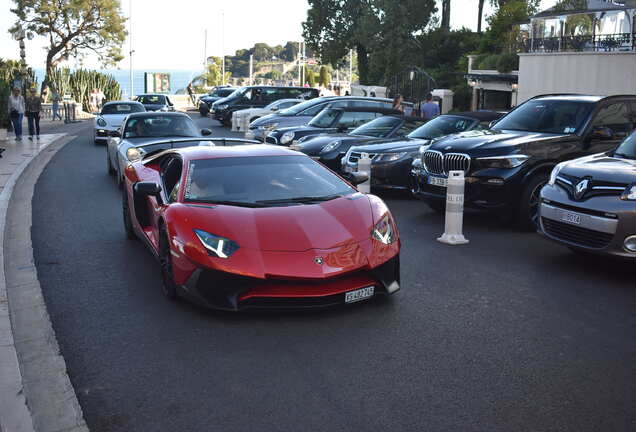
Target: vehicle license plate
438,181
361,294
571,218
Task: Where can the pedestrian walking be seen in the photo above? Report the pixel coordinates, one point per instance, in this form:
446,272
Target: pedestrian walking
100,98
16,112
397,102
55,103
92,100
33,109
430,109
191,94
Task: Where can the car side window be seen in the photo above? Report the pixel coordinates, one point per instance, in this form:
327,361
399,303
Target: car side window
171,176
616,117
314,110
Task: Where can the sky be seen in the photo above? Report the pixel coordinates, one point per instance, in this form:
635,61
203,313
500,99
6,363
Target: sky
169,34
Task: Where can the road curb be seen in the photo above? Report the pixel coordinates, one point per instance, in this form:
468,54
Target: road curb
35,390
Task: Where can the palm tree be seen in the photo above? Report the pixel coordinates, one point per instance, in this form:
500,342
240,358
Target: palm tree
480,15
446,11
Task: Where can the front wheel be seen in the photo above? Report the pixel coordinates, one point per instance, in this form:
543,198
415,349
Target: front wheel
204,110
109,166
168,286
128,227
528,212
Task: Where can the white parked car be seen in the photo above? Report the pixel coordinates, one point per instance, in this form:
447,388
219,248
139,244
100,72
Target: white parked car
252,114
111,118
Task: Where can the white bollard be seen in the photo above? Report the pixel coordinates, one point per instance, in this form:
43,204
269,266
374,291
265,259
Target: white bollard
234,122
454,210
364,165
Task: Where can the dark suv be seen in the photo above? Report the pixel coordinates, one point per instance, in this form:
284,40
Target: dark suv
506,166
257,97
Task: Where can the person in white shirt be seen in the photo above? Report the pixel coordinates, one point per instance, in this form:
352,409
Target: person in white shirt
15,107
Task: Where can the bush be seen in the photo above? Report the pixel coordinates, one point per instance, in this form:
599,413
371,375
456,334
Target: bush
506,63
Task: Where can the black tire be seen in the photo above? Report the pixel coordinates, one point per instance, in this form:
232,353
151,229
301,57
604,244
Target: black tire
109,166
168,286
528,211
204,110
438,206
128,227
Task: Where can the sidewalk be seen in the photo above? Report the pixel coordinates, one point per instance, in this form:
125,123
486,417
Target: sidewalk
35,391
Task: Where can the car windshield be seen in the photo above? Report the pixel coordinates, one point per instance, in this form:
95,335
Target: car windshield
547,116
627,149
152,99
241,91
262,181
224,92
123,108
379,128
300,107
160,126
326,118
441,126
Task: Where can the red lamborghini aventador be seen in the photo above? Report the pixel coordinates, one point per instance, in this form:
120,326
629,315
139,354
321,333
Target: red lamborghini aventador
259,227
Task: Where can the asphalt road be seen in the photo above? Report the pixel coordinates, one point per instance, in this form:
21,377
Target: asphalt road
508,333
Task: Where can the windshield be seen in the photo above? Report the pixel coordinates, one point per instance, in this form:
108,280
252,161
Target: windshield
300,107
441,126
326,118
160,126
122,108
262,181
241,91
224,92
547,116
152,99
378,128
627,149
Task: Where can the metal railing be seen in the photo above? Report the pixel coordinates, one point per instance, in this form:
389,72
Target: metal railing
582,43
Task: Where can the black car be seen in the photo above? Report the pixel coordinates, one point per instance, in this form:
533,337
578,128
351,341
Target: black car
507,166
257,97
330,120
155,102
589,204
392,159
205,102
330,148
302,113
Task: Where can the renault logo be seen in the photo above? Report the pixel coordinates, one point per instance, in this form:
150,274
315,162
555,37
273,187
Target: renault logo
581,188
319,260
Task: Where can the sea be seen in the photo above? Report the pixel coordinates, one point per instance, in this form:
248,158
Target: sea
179,79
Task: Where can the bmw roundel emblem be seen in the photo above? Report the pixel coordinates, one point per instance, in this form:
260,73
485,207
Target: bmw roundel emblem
319,260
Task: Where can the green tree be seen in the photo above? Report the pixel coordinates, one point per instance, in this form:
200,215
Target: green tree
324,76
75,27
503,33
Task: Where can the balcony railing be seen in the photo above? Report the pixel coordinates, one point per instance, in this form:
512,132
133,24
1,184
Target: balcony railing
606,42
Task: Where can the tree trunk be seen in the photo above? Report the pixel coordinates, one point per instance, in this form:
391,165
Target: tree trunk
446,11
363,64
480,15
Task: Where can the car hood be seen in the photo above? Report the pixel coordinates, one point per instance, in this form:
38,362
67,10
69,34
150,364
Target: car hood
314,144
394,145
114,120
316,226
488,142
602,167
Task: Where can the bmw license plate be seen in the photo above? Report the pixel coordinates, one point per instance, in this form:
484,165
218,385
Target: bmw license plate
438,181
571,218
360,294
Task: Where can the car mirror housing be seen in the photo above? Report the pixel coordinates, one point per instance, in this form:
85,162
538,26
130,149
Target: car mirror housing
148,188
492,123
602,133
274,109
206,132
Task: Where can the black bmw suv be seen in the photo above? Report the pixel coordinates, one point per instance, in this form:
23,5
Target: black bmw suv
506,166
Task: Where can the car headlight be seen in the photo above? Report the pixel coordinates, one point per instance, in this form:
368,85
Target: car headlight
331,147
389,157
134,154
630,193
287,138
221,107
383,231
101,122
555,173
505,162
216,246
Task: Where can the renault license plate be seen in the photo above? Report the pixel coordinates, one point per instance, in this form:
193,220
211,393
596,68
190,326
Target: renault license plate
438,181
360,294
571,218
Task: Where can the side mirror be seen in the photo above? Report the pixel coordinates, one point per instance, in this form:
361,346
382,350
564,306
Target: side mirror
206,132
492,123
356,178
602,133
147,188
275,108
342,128
115,134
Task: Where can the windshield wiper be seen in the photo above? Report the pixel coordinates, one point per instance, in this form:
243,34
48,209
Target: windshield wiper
229,203
300,200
